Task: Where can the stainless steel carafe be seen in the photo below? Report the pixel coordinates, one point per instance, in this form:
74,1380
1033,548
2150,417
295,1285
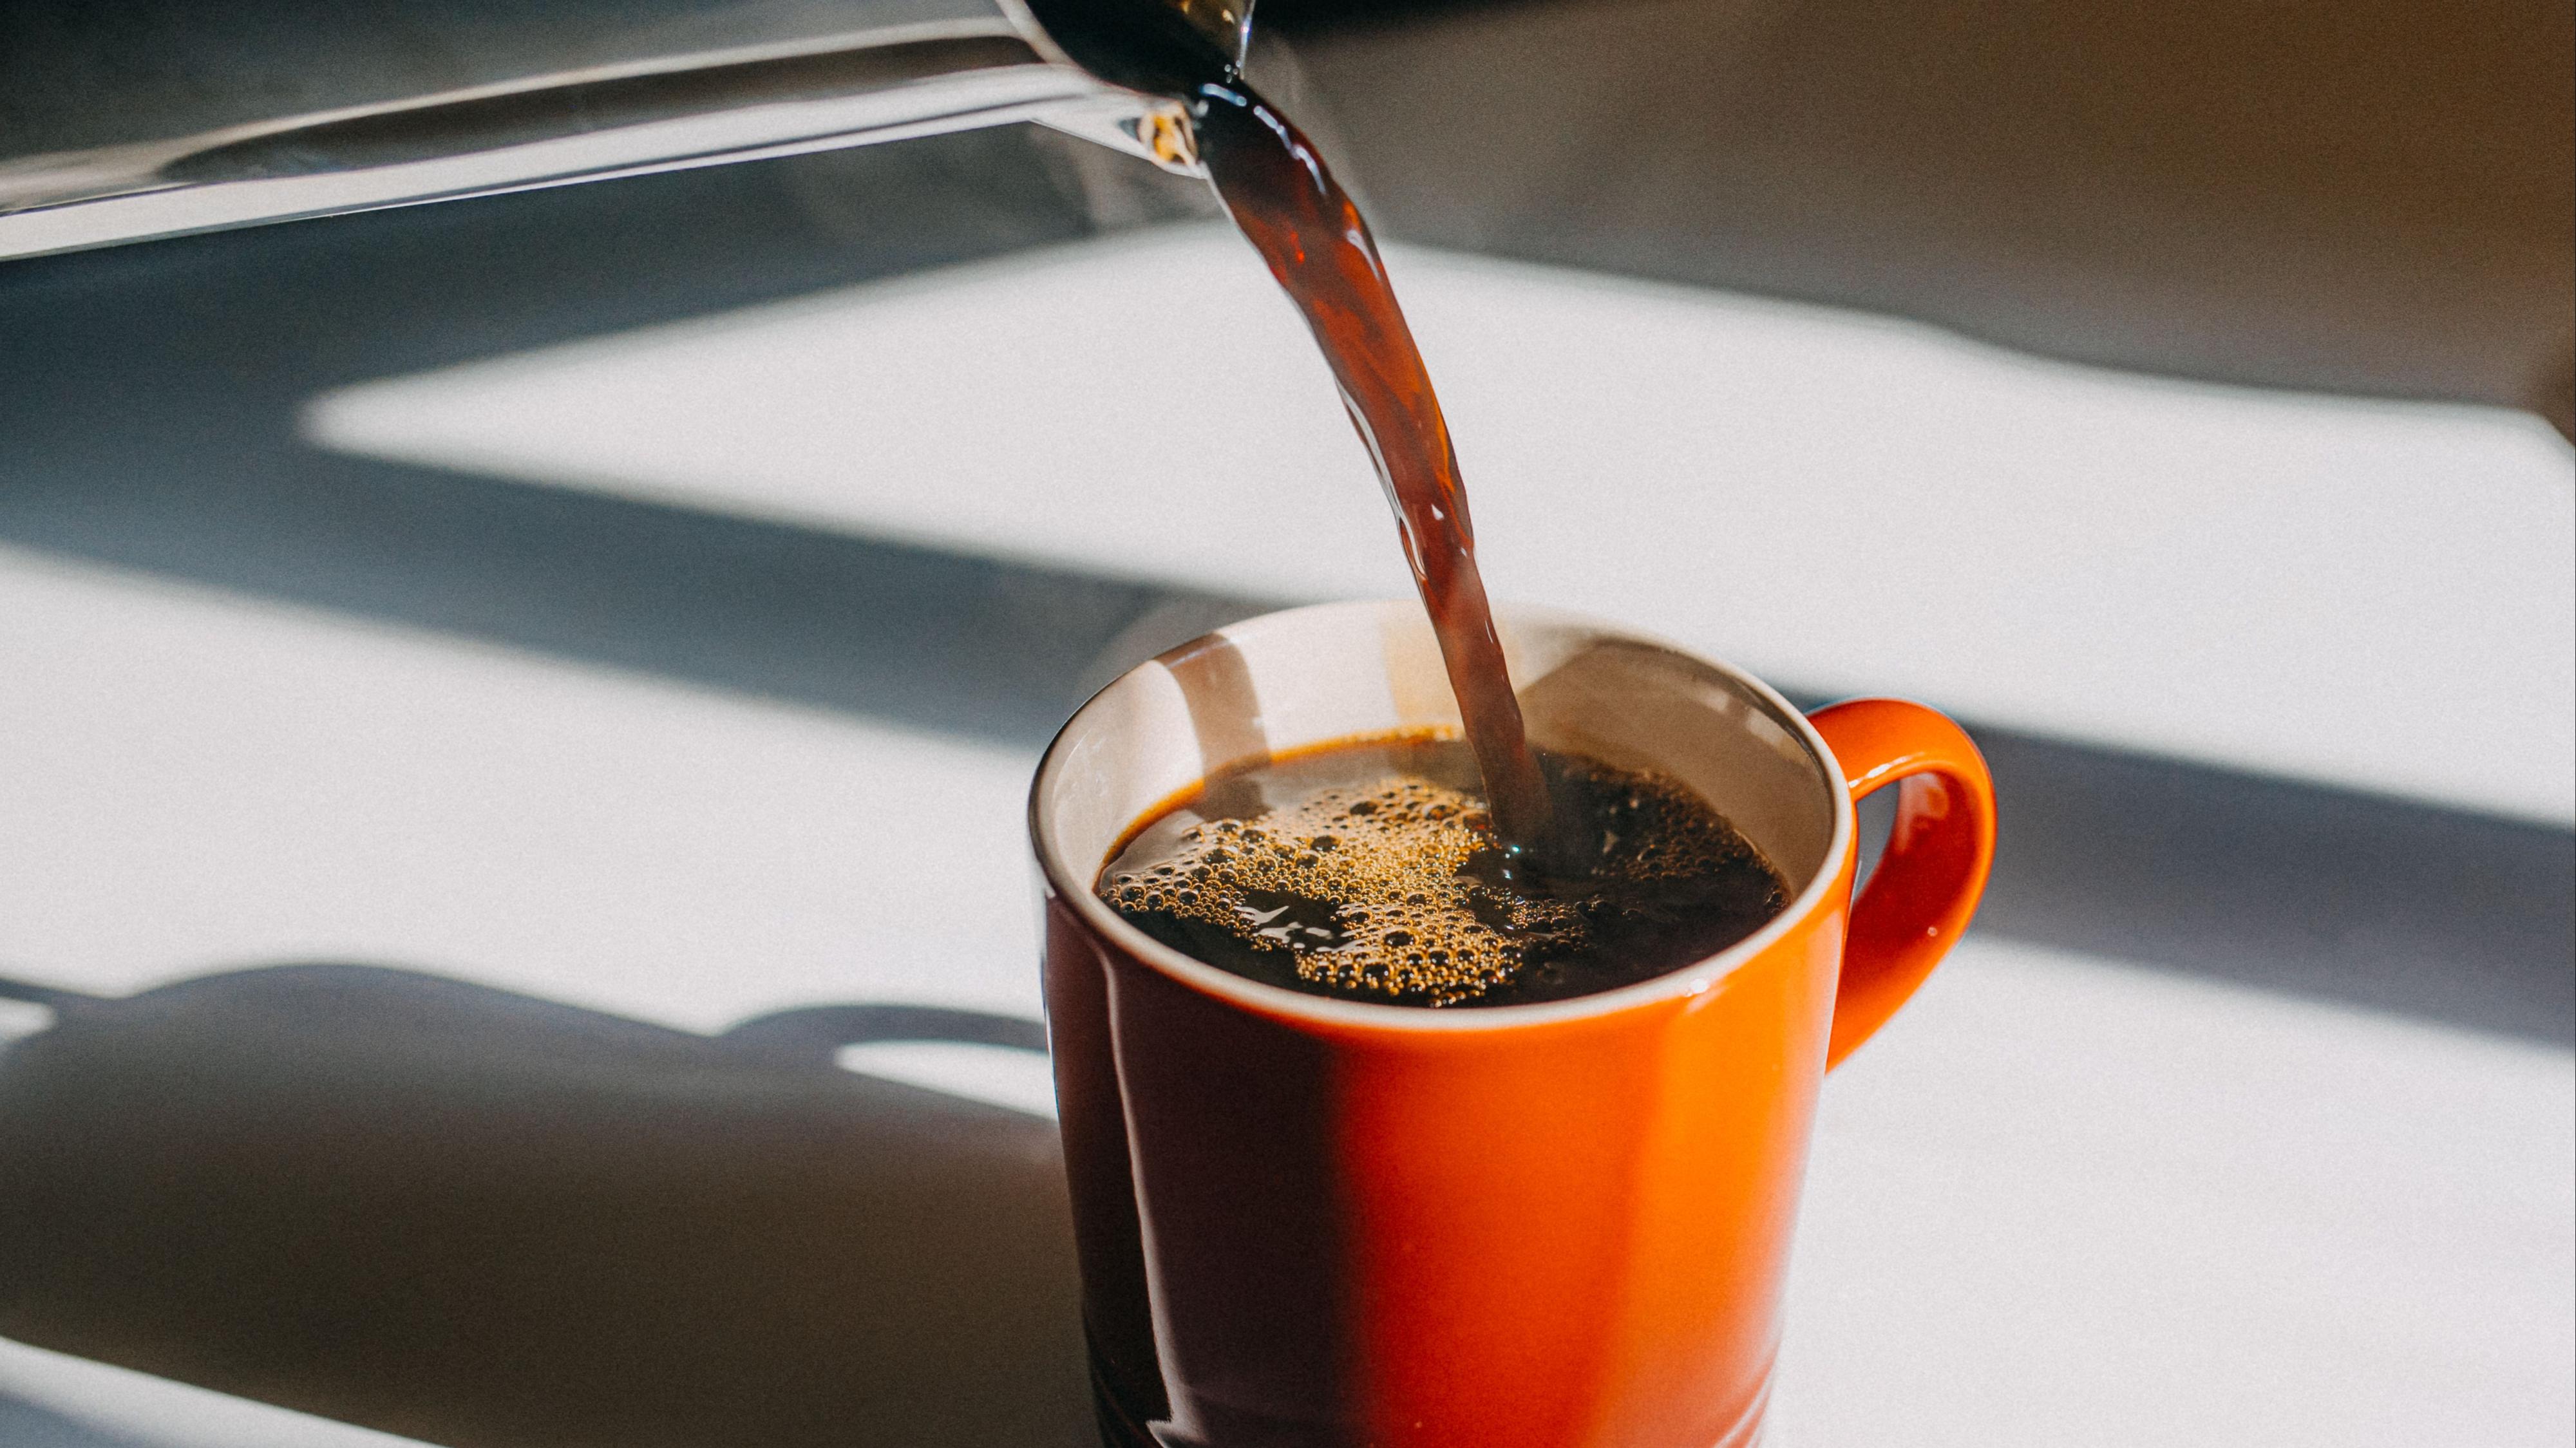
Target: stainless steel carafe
127,119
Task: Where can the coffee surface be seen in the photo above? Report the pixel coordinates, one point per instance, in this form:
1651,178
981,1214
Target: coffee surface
1372,871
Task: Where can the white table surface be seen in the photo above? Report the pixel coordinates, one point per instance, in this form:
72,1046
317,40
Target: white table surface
2371,595
2060,1202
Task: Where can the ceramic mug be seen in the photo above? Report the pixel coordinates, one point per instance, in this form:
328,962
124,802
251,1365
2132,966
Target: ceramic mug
1309,1221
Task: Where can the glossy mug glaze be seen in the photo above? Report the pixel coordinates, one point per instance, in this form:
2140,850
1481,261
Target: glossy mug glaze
1317,1223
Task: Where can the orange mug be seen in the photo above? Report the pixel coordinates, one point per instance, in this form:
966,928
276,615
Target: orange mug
1316,1223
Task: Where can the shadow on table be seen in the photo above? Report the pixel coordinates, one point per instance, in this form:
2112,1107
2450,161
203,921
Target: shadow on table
480,1219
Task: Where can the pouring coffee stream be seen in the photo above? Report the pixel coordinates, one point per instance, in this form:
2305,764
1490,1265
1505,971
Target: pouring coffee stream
1282,196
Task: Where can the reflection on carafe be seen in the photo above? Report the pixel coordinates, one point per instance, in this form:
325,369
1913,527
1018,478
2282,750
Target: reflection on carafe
186,118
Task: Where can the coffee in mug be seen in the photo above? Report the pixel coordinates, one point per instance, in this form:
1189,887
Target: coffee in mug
1371,870
1331,1219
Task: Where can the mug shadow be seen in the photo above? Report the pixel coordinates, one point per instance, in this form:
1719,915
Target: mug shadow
484,1219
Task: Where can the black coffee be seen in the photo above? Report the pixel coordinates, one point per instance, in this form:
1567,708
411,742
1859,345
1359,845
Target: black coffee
1371,871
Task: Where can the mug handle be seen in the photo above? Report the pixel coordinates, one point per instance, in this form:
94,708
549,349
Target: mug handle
1928,881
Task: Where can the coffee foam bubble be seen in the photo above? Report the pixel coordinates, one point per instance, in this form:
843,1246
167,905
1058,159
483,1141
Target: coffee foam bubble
1391,891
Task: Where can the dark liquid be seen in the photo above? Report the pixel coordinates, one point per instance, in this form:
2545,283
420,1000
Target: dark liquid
1373,872
1284,199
